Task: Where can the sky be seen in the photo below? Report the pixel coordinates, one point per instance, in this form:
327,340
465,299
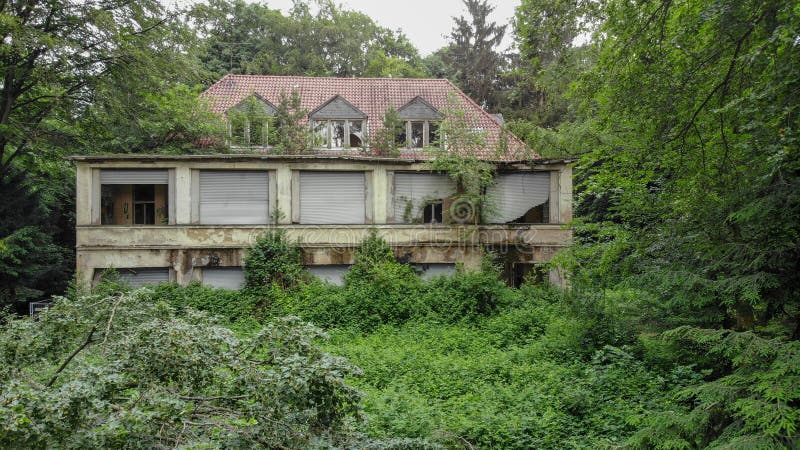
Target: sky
424,22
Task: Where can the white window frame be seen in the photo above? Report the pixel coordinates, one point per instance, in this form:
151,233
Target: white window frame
329,125
426,132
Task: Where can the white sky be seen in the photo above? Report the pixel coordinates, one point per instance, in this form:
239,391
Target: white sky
425,22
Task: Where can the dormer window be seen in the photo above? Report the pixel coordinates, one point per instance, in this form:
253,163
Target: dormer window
249,122
338,124
421,124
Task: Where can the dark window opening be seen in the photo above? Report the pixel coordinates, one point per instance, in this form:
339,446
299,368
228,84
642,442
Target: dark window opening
433,213
133,204
401,137
417,133
433,134
527,273
538,214
356,133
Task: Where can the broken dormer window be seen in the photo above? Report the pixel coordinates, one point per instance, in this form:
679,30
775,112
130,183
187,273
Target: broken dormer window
249,122
421,124
338,124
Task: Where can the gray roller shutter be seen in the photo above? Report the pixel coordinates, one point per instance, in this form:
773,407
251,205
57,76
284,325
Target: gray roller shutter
137,277
236,197
333,273
224,277
332,197
436,269
134,176
513,194
418,188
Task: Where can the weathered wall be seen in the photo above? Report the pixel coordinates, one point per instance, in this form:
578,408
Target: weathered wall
186,246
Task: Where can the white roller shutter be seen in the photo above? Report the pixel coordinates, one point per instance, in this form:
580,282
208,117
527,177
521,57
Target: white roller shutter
417,188
224,277
137,277
513,194
134,176
333,273
332,198
236,197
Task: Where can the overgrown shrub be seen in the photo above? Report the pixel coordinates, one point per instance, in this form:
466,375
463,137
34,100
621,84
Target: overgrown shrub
128,371
273,259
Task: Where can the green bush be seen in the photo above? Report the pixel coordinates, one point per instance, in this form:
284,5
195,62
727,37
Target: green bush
273,259
466,295
235,306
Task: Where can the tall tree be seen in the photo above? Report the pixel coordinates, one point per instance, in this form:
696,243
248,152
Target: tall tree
241,37
74,72
693,185
52,54
472,52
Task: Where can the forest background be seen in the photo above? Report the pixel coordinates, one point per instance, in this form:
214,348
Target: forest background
683,119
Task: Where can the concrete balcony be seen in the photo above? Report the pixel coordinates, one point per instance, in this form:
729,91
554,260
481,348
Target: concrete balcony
97,237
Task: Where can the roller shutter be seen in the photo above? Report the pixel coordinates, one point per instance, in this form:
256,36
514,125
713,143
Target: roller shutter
137,277
436,269
236,197
333,273
513,194
417,188
134,176
332,198
224,277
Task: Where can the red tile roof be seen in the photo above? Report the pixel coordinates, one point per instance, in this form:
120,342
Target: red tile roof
373,96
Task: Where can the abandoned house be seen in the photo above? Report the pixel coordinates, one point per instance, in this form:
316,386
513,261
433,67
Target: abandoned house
181,218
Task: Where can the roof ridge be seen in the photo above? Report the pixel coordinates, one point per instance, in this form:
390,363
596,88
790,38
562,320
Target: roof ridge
330,78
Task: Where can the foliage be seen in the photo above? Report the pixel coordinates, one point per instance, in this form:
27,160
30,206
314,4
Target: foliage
494,383
125,371
471,53
251,38
385,139
273,260
457,157
163,118
250,124
293,136
755,404
35,230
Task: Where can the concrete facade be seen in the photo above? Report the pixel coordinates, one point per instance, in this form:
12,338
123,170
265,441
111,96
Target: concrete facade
186,247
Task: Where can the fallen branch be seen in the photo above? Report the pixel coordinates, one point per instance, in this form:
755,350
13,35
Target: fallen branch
75,353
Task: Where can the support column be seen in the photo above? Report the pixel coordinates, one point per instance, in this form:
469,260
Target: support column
565,195
183,196
380,191
83,195
284,194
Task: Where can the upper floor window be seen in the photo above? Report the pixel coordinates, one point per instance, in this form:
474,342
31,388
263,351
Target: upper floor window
134,197
520,197
338,124
421,124
249,122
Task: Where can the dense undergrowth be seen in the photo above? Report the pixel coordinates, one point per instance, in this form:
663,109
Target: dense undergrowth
460,361
465,361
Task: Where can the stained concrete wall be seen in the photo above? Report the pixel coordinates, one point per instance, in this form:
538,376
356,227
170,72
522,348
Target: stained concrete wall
186,247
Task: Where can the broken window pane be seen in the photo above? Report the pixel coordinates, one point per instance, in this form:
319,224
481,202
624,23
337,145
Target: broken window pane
416,134
144,204
321,133
400,138
433,134
356,138
133,204
337,134
432,213
238,129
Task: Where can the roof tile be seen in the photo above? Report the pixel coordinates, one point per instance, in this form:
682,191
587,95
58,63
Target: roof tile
373,96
